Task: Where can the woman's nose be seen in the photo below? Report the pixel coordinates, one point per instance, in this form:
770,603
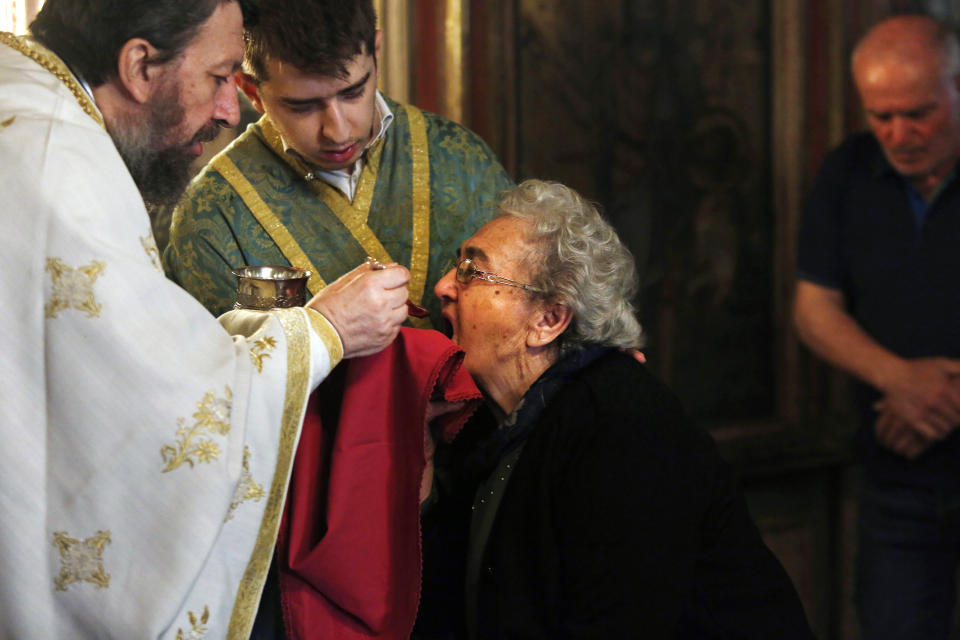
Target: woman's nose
446,287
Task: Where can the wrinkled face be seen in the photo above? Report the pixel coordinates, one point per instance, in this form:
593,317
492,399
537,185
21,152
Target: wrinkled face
327,120
914,112
491,321
204,74
194,95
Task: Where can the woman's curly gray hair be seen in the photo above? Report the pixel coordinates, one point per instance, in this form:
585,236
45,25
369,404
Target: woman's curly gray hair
584,266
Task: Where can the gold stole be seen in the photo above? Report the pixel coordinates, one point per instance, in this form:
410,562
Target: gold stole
353,215
49,61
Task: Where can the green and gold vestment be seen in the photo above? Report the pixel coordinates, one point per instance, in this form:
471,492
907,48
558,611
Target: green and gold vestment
426,186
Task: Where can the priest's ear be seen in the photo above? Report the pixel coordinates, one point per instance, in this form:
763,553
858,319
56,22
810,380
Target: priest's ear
548,324
136,71
250,89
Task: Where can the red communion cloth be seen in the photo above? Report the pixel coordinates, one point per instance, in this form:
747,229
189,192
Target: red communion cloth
349,544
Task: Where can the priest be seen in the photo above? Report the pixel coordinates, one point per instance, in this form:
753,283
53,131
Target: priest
146,450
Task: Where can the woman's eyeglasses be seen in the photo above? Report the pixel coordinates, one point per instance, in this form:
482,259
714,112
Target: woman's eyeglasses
467,271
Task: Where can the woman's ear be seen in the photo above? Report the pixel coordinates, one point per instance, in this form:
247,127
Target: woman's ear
551,322
135,71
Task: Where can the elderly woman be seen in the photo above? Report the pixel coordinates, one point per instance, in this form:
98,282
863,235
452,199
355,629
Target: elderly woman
597,510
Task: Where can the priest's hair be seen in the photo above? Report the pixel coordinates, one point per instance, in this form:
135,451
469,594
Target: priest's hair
89,34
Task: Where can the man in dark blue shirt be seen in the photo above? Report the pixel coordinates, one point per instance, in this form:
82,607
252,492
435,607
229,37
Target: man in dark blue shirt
878,295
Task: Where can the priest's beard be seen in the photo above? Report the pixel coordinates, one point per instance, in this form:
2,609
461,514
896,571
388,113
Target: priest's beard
160,168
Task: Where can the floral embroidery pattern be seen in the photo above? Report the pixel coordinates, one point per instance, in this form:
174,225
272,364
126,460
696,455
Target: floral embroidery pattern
198,627
212,418
73,287
259,351
81,560
149,245
247,488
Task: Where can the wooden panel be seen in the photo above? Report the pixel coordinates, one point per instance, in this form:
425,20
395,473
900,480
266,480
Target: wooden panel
801,519
492,78
660,110
789,121
441,57
425,74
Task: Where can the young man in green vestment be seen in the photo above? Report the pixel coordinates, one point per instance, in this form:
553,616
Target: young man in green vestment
334,171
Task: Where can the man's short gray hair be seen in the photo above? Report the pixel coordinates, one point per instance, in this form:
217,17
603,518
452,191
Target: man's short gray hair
584,265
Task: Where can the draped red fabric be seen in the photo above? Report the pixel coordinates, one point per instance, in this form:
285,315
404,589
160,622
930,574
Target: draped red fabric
349,544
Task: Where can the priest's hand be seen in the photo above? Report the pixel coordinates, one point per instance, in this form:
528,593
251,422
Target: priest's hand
366,306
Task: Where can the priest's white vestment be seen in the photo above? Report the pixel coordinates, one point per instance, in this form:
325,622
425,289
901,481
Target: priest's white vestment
144,450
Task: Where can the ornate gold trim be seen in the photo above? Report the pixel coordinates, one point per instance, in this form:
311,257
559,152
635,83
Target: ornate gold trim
49,61
357,211
268,220
294,323
149,244
328,335
198,626
73,288
420,250
212,418
81,560
353,215
261,350
247,488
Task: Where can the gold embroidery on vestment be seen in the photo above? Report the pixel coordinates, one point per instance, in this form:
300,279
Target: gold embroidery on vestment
81,560
49,61
73,288
247,488
6,123
198,626
213,418
353,215
149,245
294,324
328,335
267,219
420,250
260,350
